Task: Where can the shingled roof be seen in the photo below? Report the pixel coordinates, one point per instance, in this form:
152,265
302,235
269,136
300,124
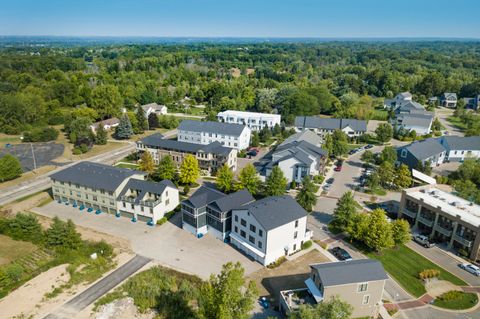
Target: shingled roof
212,127
329,123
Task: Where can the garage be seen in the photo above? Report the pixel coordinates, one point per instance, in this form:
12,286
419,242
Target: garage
126,214
143,218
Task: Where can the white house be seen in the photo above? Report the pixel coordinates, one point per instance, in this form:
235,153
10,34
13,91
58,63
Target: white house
459,148
418,121
269,228
448,99
400,98
229,135
108,124
254,121
154,108
323,126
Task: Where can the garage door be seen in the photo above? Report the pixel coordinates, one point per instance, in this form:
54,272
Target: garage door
126,214
112,210
145,219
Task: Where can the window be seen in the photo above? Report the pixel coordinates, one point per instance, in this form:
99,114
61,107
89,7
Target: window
243,222
94,198
259,244
362,287
294,247
236,218
366,299
253,228
124,205
141,208
242,233
260,232
296,223
295,235
167,201
404,153
251,239
236,229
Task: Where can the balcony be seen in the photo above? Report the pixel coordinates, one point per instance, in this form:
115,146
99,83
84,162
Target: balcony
425,221
444,231
146,203
409,213
463,241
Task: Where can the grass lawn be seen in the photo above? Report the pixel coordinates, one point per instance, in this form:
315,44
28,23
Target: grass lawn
354,146
127,165
456,300
404,265
380,115
11,250
457,122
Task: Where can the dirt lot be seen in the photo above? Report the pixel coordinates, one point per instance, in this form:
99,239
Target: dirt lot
289,275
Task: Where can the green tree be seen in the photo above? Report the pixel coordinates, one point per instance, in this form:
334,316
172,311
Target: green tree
403,177
101,135
189,170
276,183
368,156
401,232
306,196
62,235
79,131
25,227
384,132
141,119
146,163
328,144
358,226
373,181
124,129
334,308
248,179
255,139
10,168
166,168
227,295
437,125
106,100
153,122
386,174
379,235
340,143
225,179
388,154
345,211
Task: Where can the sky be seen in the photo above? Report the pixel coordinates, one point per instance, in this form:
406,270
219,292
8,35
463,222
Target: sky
242,18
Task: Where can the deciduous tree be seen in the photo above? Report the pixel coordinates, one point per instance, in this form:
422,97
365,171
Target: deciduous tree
249,179
189,170
403,177
306,196
345,211
10,168
401,232
146,163
225,179
166,168
384,132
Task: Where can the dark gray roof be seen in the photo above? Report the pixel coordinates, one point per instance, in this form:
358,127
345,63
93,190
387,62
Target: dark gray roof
234,200
329,123
405,94
416,119
350,272
203,196
410,105
158,141
305,135
448,95
275,211
95,175
422,150
301,151
462,143
212,127
144,187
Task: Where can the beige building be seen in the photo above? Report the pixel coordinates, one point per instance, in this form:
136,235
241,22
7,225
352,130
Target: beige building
358,282
444,217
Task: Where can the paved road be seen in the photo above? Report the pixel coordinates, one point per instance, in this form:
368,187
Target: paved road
81,301
442,114
431,313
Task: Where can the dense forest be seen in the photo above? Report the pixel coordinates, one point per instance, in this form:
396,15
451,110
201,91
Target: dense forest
53,85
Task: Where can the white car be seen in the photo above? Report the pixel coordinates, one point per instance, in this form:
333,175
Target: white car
474,270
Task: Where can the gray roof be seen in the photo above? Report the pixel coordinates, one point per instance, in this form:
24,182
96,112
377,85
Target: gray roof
416,119
158,141
329,123
231,201
155,106
203,196
448,95
275,211
306,135
300,150
95,175
405,94
422,150
462,143
212,127
350,272
144,187
410,105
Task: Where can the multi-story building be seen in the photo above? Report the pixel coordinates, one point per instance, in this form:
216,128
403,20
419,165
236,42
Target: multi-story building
210,211
472,102
269,228
401,98
448,100
459,148
358,282
443,216
210,157
323,126
103,188
229,135
413,120
254,121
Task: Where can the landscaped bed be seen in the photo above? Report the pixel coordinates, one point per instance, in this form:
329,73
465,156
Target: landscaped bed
404,265
456,300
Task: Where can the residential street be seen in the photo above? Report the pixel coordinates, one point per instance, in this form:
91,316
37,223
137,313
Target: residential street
442,114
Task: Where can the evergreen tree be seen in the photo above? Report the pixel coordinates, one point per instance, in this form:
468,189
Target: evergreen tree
166,168
124,129
62,235
277,130
141,119
328,144
25,227
306,196
101,135
146,163
249,179
344,213
153,122
10,168
276,183
225,180
401,232
403,177
189,170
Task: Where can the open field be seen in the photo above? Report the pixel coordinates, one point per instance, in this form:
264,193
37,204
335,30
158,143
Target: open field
11,250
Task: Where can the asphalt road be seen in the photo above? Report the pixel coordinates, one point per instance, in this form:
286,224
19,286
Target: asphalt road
94,292
442,114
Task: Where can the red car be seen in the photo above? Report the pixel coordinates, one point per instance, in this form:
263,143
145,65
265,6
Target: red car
337,168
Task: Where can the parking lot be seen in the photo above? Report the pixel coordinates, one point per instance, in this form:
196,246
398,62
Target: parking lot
167,244
33,155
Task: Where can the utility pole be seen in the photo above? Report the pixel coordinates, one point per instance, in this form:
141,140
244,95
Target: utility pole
33,156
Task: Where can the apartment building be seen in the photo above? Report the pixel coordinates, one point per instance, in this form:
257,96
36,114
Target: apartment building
254,121
229,135
459,148
210,211
445,217
210,157
269,228
359,282
323,126
107,189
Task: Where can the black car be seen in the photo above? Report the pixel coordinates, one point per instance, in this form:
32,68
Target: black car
330,180
368,146
352,152
252,153
341,254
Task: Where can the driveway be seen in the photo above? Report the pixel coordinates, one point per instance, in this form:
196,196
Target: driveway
168,244
442,114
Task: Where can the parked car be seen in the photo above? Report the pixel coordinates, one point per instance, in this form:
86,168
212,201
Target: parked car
474,270
352,152
369,146
264,302
327,187
253,148
341,254
252,153
338,168
330,180
423,240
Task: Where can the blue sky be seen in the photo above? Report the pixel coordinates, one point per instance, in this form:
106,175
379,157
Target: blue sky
242,18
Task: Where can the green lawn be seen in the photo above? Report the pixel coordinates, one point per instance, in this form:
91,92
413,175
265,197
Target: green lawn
353,146
456,300
127,165
11,250
404,265
457,122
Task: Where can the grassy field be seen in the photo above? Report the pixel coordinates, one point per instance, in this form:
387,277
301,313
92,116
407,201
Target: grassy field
456,300
127,165
404,265
457,122
11,250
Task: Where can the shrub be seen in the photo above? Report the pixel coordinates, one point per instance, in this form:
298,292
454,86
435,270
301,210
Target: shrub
429,273
84,148
43,134
76,151
186,190
162,221
318,179
293,185
307,244
277,262
242,154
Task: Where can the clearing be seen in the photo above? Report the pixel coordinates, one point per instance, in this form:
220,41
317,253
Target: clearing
11,249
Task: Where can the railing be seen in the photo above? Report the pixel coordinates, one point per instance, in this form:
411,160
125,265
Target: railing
147,203
426,222
409,213
463,241
443,231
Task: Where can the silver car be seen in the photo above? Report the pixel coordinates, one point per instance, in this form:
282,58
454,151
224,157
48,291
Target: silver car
474,270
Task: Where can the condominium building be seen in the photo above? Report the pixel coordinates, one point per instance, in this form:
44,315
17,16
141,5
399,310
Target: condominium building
254,121
210,157
229,135
444,217
107,189
323,126
269,228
